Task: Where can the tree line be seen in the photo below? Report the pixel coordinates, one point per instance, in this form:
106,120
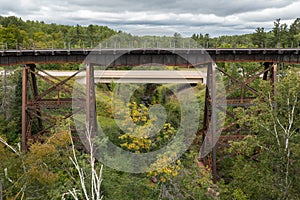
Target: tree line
16,33
280,36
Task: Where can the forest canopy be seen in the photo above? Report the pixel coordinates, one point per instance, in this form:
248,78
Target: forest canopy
16,33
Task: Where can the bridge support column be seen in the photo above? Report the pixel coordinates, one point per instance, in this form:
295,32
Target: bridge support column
210,117
213,120
27,120
36,119
91,116
274,78
272,69
24,107
266,67
35,95
214,101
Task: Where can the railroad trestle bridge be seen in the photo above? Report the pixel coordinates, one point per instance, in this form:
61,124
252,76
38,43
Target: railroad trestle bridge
34,101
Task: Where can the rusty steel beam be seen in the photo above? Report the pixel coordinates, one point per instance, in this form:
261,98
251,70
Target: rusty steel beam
52,125
51,82
249,80
238,81
45,117
51,103
24,107
48,78
55,87
57,79
35,94
247,101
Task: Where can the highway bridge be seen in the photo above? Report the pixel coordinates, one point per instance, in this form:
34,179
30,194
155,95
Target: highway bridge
136,76
134,57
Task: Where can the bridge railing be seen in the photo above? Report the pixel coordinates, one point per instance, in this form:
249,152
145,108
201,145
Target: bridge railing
5,47
103,45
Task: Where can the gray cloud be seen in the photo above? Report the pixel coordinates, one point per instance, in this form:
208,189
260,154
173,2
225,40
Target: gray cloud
218,7
163,17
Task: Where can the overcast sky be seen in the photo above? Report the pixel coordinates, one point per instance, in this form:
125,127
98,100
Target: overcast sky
159,17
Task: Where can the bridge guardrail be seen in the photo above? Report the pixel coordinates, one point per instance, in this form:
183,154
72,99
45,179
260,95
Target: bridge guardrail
185,43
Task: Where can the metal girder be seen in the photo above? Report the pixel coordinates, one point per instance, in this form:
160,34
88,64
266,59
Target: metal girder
140,56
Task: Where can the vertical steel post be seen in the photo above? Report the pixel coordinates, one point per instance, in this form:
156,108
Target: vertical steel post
242,88
213,120
88,96
4,100
90,100
207,103
24,107
273,82
35,93
266,66
210,116
274,77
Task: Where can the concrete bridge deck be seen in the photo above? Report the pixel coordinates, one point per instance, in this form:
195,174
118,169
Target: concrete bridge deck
136,76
